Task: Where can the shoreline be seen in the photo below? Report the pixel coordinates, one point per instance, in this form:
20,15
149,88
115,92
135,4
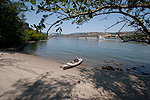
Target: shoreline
136,70
130,61
27,76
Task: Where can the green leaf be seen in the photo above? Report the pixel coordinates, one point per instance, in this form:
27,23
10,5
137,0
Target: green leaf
42,3
39,27
42,20
63,4
88,5
90,15
61,22
48,9
55,9
73,22
33,2
43,25
45,16
48,2
82,9
67,11
132,22
32,8
61,0
35,26
77,27
128,11
59,29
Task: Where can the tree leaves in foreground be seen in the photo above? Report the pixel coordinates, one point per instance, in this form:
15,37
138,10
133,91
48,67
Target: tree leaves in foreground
11,25
135,12
13,29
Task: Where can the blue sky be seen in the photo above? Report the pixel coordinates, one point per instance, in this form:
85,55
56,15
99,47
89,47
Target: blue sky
94,25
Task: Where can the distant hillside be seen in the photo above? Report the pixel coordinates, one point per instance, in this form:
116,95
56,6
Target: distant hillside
77,33
52,33
92,34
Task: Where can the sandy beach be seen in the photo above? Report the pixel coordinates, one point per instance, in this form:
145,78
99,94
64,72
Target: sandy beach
31,77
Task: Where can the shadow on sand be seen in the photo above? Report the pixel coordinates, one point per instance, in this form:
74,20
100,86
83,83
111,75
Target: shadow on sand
45,88
125,86
109,84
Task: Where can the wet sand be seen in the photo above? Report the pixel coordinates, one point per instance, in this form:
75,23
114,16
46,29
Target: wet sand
30,77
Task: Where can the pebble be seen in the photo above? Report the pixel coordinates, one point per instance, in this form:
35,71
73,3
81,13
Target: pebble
134,68
107,67
104,67
144,73
110,68
78,81
118,64
142,65
128,68
119,69
108,61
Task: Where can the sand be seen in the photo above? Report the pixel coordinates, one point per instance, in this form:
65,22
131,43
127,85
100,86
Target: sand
30,77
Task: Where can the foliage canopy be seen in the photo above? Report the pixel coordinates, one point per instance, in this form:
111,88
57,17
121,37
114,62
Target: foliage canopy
13,30
32,35
11,25
136,12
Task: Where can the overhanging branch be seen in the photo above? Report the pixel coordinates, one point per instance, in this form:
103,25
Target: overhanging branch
106,7
136,19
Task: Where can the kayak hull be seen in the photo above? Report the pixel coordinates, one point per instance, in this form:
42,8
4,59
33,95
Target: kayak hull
72,64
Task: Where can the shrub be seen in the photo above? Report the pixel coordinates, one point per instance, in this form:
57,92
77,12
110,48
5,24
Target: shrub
32,35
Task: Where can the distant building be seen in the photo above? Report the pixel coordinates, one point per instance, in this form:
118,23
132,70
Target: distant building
82,37
92,38
88,37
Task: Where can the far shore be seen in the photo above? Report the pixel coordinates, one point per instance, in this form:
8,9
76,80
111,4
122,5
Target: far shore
30,77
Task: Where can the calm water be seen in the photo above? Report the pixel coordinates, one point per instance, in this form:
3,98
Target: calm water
94,52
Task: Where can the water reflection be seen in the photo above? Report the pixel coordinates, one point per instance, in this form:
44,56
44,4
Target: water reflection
36,46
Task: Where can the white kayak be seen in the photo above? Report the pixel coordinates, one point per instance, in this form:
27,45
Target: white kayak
73,63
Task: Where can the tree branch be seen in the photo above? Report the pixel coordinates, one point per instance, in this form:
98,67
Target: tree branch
140,23
106,7
119,32
114,25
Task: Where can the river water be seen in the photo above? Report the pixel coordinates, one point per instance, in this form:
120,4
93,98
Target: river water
95,52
